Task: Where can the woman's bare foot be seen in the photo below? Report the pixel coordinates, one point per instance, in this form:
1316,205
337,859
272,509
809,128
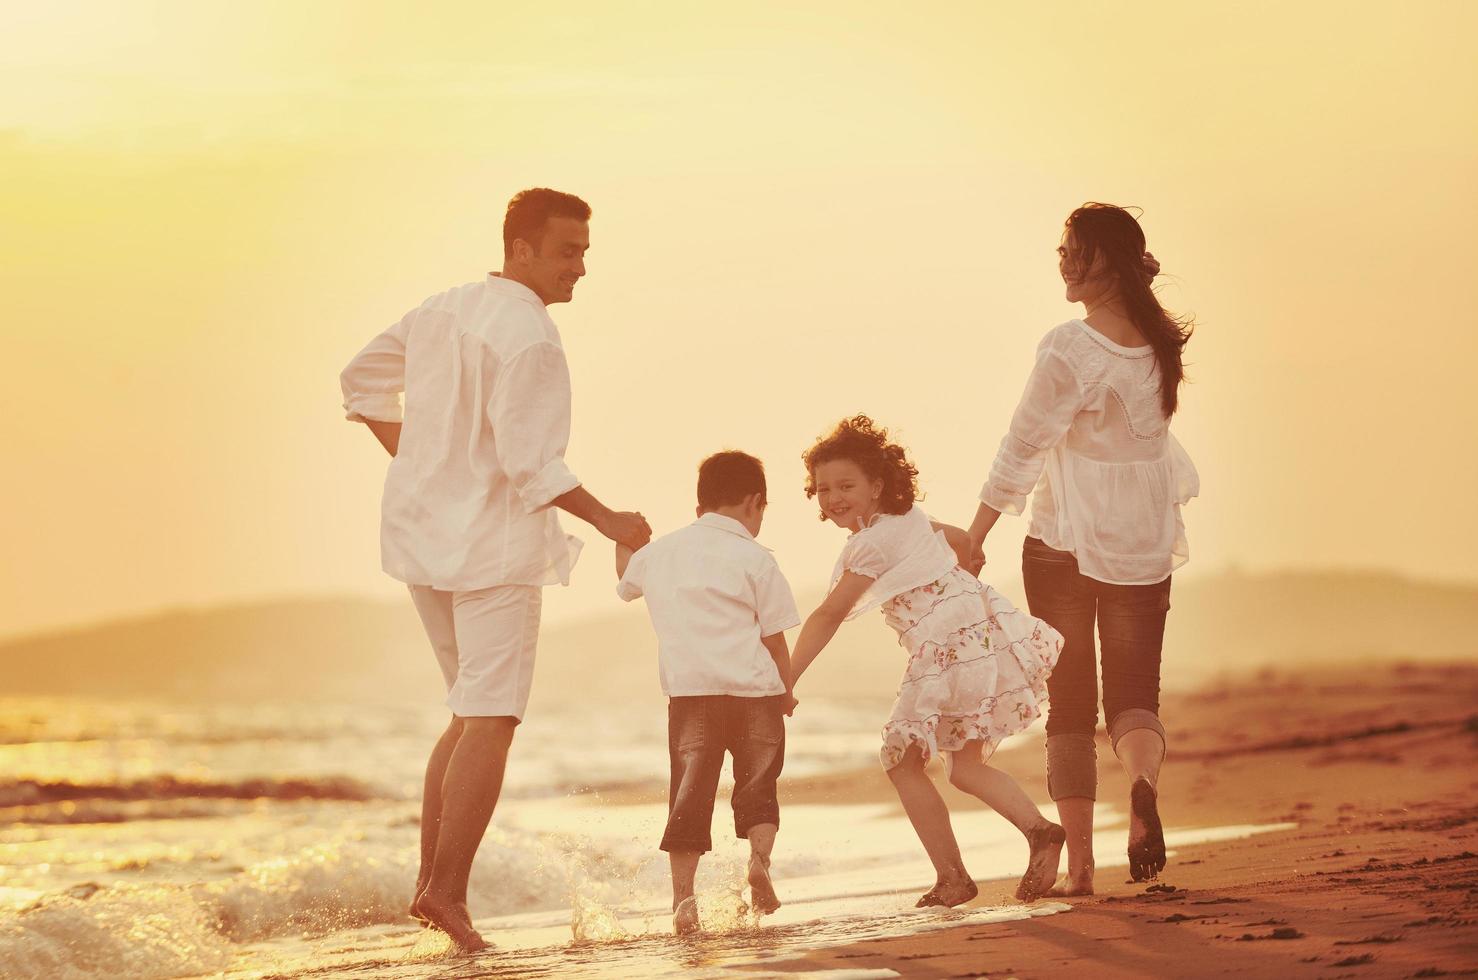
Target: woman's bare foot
1146,836
762,895
1072,885
685,917
453,919
1045,840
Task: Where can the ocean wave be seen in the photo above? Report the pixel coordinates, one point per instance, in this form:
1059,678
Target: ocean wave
351,880
30,792
124,931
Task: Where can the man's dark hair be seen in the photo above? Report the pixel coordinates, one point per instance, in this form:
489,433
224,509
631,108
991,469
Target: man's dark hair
530,211
727,478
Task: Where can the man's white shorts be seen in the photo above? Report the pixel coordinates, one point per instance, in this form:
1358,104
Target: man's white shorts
484,643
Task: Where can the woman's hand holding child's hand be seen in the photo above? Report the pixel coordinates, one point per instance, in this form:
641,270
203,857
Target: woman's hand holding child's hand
975,561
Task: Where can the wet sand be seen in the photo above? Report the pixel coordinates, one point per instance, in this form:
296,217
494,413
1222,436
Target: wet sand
1375,767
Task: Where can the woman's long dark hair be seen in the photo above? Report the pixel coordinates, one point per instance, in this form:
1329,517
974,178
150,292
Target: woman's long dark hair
1110,231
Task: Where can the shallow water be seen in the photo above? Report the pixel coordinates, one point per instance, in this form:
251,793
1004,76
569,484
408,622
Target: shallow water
146,840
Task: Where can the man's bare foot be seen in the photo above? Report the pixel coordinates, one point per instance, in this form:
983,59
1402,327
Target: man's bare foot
453,919
1146,836
1045,841
414,909
762,895
685,917
948,893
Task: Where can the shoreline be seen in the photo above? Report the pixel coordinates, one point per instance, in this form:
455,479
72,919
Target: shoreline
1379,877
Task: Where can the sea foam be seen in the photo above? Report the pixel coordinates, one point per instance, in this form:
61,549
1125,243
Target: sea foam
351,879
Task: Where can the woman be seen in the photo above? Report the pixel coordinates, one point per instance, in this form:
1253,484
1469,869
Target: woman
1092,436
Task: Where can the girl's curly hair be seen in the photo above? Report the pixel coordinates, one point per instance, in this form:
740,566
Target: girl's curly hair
865,443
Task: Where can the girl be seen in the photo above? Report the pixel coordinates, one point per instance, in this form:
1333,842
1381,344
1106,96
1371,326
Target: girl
977,668
1092,435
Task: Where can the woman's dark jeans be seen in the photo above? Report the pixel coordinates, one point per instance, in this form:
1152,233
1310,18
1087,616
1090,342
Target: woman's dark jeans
1131,631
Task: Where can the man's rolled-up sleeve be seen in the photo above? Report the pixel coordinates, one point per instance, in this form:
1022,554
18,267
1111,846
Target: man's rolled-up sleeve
373,380
530,414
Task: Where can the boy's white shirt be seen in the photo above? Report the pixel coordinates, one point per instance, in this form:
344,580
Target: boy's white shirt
712,592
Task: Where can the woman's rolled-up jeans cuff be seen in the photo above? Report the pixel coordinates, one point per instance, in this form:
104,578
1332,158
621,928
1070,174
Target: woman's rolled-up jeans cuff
1132,719
1072,766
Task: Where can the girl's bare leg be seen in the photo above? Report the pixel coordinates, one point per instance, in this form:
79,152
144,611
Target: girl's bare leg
930,819
968,771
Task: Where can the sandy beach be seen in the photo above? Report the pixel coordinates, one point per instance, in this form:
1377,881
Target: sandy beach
1321,823
1378,878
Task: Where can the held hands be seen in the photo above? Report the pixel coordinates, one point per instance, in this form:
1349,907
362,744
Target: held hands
626,527
790,704
975,560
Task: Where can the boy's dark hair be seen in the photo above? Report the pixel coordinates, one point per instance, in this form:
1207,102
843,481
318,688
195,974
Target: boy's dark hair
530,211
727,478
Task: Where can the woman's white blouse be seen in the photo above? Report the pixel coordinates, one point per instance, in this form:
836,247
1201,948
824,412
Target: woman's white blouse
1091,438
900,552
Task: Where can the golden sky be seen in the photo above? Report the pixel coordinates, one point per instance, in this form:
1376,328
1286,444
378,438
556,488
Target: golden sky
799,214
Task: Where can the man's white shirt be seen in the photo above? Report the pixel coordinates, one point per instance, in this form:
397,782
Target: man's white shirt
481,457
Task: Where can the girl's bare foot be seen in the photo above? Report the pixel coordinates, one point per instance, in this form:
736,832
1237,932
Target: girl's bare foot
948,893
685,917
453,919
1045,841
762,895
1146,836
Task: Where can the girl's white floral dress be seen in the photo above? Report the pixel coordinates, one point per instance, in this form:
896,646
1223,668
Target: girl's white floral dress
977,665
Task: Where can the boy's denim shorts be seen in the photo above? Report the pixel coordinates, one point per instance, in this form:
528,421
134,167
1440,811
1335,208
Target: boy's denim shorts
699,731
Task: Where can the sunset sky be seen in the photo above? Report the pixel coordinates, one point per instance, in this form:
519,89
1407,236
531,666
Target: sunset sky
801,211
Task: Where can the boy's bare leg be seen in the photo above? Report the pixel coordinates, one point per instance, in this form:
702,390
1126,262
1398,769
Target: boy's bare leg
684,906
441,754
762,895
930,818
469,793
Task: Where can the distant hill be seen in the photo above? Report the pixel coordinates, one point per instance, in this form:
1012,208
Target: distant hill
367,650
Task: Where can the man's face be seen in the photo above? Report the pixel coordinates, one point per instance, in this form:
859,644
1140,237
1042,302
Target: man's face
552,271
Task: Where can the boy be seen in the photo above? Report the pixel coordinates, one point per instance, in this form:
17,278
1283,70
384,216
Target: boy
720,608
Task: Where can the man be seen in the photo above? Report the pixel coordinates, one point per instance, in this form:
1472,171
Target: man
468,518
